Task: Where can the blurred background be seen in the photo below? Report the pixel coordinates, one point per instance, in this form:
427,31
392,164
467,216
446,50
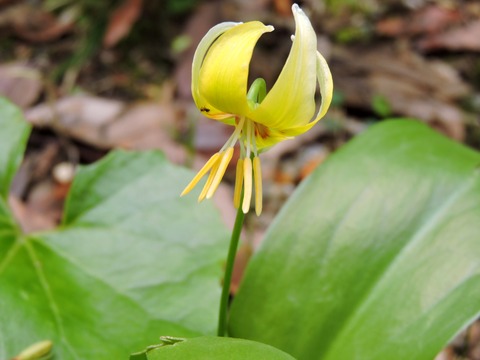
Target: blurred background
92,76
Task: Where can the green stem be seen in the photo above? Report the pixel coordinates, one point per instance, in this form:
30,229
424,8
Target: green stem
232,251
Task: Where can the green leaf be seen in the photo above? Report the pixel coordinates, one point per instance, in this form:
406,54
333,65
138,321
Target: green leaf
13,138
381,106
376,256
14,133
131,261
213,348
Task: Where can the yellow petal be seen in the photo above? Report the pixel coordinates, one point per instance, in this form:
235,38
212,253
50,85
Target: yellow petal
212,35
266,137
224,73
291,101
272,136
326,91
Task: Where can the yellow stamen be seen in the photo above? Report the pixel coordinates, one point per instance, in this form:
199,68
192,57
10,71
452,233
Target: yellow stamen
247,181
210,163
238,184
226,157
257,176
209,181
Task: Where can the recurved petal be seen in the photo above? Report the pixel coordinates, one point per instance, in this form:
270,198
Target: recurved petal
224,73
210,37
325,83
291,101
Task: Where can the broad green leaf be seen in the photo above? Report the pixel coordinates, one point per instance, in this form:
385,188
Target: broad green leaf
14,133
132,261
376,256
211,348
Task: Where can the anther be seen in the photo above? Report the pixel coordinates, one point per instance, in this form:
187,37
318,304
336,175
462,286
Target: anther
210,163
238,184
257,176
226,157
247,182
209,181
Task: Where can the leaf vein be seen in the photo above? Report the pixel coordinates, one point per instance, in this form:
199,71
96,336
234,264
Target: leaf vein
51,300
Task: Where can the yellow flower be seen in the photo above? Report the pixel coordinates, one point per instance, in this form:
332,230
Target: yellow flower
219,87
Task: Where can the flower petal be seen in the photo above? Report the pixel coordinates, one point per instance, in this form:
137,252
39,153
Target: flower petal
270,136
210,37
291,101
325,83
224,73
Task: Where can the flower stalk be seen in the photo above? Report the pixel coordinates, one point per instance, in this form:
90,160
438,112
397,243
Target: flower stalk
227,280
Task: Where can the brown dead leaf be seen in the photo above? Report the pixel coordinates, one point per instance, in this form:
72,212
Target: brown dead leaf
35,167
427,20
434,18
283,7
107,123
412,85
473,335
271,158
29,219
35,24
245,8
462,38
310,159
47,198
81,116
391,26
20,83
41,162
147,126
121,21
446,355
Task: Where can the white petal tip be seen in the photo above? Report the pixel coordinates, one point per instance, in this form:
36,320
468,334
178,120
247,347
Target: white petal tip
270,28
297,11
